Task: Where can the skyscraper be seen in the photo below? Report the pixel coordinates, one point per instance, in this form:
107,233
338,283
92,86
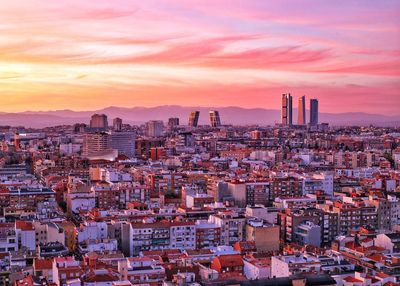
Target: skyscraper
301,119
117,124
173,122
194,118
124,142
313,111
99,122
287,109
154,128
94,143
215,120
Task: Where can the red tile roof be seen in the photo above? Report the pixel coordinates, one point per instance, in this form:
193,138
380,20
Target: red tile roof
45,263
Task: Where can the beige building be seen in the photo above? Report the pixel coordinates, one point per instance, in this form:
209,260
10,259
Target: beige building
265,235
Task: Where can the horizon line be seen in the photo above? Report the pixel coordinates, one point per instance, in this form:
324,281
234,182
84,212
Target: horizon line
180,106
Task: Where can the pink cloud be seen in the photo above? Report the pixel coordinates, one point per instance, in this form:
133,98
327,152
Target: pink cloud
334,45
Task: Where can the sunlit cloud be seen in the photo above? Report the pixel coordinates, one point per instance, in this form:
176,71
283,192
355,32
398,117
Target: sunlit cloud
75,54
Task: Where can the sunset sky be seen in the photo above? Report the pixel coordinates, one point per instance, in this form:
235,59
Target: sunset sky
85,55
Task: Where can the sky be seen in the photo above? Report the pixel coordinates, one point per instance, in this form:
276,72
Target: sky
85,55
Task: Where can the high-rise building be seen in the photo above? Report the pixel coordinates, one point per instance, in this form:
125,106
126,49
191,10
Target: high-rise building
99,122
215,120
287,109
313,111
154,128
124,142
94,143
173,122
117,124
301,118
194,118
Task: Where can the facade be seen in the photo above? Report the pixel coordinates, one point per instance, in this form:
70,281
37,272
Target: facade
285,266
232,226
95,143
388,241
313,112
257,268
124,142
287,109
215,120
99,122
301,118
159,236
308,233
286,187
266,236
154,128
64,269
194,118
207,235
141,270
117,124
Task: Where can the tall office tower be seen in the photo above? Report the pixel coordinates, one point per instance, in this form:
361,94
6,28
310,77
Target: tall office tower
313,111
117,124
79,127
287,109
99,122
94,143
215,120
301,119
194,118
124,142
154,128
173,122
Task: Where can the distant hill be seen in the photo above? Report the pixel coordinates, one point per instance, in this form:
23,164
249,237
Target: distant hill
229,115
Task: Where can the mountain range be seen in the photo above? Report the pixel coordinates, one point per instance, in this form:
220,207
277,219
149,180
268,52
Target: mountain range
229,115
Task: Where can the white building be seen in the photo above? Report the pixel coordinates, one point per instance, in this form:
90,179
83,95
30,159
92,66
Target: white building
141,270
255,269
269,214
25,233
287,265
47,232
389,241
92,231
318,182
98,245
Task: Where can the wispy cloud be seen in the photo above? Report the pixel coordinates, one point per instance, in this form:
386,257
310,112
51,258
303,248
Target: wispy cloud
155,52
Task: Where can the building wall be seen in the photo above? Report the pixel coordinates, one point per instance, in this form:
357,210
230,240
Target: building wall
253,272
279,268
382,240
266,238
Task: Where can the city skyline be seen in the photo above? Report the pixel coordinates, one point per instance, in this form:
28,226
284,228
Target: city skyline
199,143
75,55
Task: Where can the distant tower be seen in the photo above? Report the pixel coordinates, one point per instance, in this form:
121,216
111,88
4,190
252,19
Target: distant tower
99,122
301,119
154,128
117,124
313,112
124,142
96,142
194,118
215,120
287,109
17,142
173,122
